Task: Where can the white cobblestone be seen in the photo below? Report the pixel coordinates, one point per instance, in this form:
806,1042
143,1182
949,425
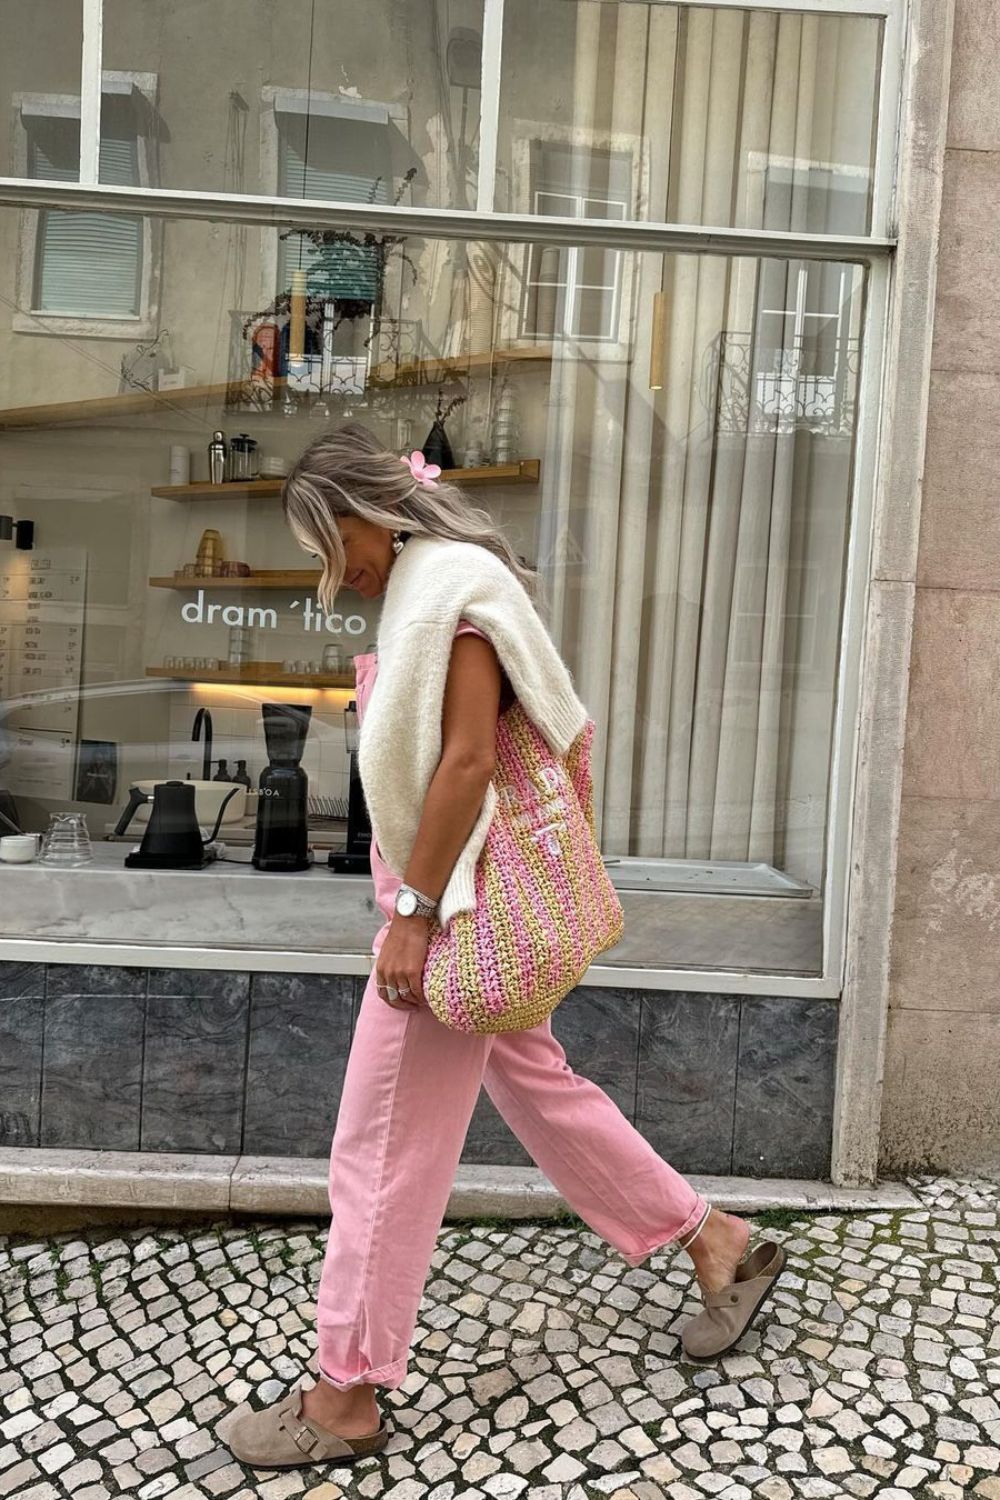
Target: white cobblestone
543,1366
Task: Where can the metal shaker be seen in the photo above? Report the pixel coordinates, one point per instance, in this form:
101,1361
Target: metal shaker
217,458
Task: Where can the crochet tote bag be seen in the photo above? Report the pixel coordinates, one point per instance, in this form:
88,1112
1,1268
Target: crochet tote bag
545,904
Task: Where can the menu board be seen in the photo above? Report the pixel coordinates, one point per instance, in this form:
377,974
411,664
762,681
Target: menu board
42,596
39,762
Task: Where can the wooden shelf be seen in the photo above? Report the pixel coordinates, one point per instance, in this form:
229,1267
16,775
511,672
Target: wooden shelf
434,371
307,579
522,471
257,674
132,404
227,392
234,489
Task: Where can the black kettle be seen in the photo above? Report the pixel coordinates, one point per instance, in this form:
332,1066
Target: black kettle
172,840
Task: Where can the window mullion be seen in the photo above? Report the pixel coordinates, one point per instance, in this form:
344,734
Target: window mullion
244,208
890,107
489,105
91,64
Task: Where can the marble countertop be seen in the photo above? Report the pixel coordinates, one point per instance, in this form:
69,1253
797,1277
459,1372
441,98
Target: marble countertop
228,905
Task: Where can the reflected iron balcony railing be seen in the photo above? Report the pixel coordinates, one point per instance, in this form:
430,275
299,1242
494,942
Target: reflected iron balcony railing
809,383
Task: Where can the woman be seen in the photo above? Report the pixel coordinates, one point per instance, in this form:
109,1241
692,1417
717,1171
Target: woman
458,640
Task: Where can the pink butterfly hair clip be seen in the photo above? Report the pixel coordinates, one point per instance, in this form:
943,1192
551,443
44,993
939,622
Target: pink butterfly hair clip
422,471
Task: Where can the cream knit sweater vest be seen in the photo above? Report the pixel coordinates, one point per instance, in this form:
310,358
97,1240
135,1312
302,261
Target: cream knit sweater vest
432,584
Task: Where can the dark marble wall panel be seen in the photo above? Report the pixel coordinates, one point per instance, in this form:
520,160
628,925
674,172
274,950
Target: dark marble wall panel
785,1087
687,1077
22,989
92,1079
598,1027
598,1030
300,1037
255,1063
195,1057
19,981
489,1140
95,979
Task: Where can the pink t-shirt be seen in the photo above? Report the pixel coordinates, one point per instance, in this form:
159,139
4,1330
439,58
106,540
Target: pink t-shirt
366,670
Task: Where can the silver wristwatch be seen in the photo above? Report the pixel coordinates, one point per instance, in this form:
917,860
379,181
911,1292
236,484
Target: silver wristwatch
411,902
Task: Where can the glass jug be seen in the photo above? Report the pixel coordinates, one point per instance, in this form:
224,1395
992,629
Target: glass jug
67,841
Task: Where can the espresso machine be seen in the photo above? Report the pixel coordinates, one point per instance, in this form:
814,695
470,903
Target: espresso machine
355,857
281,841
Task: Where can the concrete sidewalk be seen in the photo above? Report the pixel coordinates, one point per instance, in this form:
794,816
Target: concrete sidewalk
543,1366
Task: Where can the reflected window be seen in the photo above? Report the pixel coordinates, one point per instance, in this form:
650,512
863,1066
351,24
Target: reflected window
342,157
574,291
87,265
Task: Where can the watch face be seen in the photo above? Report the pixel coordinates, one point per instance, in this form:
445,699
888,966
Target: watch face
406,903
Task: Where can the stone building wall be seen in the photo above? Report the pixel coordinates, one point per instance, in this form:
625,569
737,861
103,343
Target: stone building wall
941,1106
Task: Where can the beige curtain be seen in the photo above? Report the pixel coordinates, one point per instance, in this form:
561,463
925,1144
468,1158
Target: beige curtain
702,624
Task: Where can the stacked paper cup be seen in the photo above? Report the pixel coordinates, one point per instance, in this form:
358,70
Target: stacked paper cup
180,464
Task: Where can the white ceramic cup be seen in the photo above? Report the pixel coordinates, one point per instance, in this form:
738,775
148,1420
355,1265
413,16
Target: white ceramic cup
20,848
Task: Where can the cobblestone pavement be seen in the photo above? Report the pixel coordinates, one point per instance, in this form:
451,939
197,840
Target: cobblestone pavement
543,1366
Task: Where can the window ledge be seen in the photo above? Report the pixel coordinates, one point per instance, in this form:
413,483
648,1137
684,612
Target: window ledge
90,328
232,908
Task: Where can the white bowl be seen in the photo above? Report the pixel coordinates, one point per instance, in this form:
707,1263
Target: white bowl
208,797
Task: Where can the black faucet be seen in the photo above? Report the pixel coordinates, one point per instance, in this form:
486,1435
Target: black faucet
204,717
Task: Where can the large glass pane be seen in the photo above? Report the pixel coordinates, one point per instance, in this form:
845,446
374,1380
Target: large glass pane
40,50
668,439
363,99
756,119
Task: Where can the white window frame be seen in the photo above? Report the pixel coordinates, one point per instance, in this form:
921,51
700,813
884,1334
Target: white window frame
145,323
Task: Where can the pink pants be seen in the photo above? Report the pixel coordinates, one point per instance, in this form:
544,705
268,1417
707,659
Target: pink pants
410,1088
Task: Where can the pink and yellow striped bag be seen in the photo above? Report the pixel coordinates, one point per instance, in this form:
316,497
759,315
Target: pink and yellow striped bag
545,904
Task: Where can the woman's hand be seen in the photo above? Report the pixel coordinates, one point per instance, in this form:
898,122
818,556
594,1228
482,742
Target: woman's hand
400,961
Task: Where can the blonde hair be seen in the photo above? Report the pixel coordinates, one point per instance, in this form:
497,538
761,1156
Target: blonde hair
347,472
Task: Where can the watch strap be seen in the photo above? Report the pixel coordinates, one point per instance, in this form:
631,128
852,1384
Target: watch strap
426,905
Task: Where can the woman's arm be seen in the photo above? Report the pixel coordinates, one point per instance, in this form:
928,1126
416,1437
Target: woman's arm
468,751
451,805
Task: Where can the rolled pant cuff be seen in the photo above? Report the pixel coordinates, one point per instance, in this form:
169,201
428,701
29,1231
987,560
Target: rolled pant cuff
636,1258
389,1375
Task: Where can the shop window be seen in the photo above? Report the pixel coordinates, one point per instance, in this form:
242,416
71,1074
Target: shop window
717,104
668,436
420,60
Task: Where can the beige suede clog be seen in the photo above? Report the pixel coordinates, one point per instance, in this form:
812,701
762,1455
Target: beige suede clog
281,1437
728,1312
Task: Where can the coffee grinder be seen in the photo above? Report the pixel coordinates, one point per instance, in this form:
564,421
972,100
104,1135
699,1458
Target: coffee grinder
281,841
355,858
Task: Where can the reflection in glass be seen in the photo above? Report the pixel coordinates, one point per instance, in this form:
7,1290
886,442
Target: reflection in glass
87,265
690,530
39,83
357,100
755,119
